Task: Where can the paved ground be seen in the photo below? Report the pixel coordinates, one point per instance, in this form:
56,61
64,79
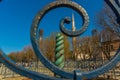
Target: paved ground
24,78
15,78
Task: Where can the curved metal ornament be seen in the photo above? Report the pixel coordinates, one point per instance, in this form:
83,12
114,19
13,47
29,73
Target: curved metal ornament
37,76
115,6
67,20
21,70
34,29
51,66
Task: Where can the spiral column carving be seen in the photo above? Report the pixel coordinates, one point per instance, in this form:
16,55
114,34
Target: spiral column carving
59,51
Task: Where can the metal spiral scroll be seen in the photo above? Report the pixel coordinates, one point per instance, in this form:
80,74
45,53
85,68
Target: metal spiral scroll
77,75
59,55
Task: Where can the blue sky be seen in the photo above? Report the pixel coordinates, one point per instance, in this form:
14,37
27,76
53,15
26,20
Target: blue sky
16,18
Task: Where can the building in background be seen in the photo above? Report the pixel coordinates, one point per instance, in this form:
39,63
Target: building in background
111,47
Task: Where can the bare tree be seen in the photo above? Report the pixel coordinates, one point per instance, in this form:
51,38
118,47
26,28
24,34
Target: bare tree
48,47
109,29
107,20
12,55
87,49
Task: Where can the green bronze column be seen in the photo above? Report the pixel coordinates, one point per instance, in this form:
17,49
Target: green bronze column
59,51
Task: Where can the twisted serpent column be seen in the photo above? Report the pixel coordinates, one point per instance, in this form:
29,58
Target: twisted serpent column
59,51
